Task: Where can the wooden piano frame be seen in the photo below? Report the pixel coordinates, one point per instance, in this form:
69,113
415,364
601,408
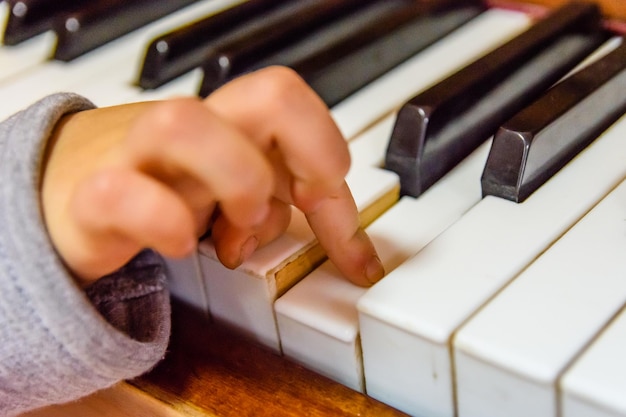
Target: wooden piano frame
209,372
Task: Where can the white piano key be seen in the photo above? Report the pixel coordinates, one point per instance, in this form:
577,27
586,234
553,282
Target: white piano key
472,40
516,347
408,319
594,386
317,318
14,60
369,147
114,64
243,298
185,281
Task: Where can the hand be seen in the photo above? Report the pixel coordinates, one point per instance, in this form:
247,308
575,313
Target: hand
119,179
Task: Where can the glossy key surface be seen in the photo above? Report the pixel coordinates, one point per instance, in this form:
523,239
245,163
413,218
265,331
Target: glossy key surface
439,127
538,141
29,18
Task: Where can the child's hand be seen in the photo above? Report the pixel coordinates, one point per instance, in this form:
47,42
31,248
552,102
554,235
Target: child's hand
159,175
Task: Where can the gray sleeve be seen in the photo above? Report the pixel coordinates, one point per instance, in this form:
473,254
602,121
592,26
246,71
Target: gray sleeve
58,342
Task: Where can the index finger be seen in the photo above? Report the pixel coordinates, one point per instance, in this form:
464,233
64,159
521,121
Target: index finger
282,112
336,224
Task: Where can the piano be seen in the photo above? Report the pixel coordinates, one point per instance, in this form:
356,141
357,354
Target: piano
490,307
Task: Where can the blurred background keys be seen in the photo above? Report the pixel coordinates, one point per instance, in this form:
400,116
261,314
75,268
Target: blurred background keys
341,58
185,48
90,27
241,52
29,18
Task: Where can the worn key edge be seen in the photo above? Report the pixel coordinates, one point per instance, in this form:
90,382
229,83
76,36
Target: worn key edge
521,158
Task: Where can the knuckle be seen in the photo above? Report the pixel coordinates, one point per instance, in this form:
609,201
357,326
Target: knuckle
282,86
166,121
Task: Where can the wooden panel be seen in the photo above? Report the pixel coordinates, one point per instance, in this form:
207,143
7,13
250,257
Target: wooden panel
613,9
122,400
210,372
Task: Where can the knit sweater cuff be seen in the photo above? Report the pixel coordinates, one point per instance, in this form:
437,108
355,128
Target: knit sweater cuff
54,345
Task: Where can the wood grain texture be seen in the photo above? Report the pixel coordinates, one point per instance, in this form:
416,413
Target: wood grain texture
211,372
615,9
122,400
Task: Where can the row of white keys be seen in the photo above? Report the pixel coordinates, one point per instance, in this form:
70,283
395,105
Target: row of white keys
408,319
317,318
242,297
116,63
510,355
594,386
14,60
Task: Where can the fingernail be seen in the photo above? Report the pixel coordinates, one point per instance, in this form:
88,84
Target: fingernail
374,270
248,248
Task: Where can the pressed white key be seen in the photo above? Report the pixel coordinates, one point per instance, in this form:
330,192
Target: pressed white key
509,356
14,60
594,386
373,102
407,319
243,298
116,63
317,318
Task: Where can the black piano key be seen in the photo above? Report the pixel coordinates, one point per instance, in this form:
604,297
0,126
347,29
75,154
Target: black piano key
436,129
353,51
84,30
242,52
28,18
179,51
538,141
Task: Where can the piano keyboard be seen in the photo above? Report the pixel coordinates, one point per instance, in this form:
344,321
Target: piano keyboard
471,319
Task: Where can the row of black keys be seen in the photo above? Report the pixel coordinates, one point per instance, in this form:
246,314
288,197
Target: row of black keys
339,46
